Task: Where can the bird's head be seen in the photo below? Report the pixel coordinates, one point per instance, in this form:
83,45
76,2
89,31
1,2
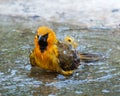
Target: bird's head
44,37
70,41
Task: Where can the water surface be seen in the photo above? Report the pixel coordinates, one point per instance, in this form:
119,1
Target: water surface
100,78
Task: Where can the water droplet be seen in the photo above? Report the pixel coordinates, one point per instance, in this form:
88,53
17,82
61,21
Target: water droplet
78,92
60,77
64,52
105,91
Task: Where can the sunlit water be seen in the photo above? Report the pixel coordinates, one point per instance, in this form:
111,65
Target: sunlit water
100,78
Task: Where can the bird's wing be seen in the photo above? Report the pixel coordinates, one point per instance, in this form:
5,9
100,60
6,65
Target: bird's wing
68,59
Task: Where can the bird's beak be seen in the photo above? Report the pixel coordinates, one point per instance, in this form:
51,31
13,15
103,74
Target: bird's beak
42,39
39,38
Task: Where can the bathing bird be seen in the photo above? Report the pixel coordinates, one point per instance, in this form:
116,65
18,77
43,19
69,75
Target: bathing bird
51,54
84,57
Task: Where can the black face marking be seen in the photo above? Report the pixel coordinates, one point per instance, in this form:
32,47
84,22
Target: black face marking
42,41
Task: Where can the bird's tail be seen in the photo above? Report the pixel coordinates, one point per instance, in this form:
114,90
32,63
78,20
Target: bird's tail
89,57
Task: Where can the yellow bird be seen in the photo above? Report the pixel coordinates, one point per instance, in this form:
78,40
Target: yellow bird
51,54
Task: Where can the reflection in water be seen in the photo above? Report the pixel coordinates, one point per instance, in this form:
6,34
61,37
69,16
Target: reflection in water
17,78
39,74
45,91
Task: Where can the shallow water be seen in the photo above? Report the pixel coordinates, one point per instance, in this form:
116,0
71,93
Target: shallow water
100,78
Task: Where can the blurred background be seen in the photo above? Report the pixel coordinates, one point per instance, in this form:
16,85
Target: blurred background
90,13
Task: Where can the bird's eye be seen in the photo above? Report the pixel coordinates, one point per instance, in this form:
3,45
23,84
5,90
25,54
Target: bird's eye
69,40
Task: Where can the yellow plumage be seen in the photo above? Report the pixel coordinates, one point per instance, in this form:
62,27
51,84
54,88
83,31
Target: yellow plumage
50,54
46,53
